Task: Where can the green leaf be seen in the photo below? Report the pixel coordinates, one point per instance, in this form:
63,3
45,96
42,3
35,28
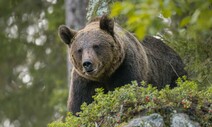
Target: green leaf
116,9
140,32
195,16
166,13
185,21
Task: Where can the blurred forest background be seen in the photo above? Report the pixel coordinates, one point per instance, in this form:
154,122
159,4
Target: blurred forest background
33,72
33,78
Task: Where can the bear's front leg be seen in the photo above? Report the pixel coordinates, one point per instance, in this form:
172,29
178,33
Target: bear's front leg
81,90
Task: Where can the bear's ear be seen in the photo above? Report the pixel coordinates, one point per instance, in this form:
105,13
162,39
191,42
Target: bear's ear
66,34
107,24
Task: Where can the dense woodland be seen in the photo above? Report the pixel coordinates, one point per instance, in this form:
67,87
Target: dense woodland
33,65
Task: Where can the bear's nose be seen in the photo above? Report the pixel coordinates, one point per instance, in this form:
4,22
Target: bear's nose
88,66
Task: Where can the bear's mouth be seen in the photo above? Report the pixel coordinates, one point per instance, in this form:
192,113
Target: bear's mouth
89,71
93,71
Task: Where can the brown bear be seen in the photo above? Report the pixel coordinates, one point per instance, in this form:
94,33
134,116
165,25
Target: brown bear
105,55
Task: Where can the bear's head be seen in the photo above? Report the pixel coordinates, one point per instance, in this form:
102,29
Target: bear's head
94,50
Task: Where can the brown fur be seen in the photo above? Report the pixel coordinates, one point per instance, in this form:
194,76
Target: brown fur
105,55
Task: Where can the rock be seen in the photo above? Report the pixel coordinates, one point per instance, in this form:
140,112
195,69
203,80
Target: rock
182,120
153,120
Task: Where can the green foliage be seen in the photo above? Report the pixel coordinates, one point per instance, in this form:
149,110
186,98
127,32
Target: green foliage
32,64
142,16
184,25
117,107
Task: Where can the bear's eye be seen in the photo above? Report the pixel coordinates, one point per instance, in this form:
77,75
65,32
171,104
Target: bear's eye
96,46
79,50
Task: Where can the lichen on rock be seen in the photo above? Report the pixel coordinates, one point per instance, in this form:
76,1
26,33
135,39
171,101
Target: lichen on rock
182,120
153,120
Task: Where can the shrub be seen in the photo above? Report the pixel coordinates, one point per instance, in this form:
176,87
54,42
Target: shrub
117,107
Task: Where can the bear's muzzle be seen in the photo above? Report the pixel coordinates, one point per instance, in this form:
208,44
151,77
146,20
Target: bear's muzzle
88,66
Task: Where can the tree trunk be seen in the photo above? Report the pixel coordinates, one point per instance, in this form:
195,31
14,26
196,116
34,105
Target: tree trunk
97,8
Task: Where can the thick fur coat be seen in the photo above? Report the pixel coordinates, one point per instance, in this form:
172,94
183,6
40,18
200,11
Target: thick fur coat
105,55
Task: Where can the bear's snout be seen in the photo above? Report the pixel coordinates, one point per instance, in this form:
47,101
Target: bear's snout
88,66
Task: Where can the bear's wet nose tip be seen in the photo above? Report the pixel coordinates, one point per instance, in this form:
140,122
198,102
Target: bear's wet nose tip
87,66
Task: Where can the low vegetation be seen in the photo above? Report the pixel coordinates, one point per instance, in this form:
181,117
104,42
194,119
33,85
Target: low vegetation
117,107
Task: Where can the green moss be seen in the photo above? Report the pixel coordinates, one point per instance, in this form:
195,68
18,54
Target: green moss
117,107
